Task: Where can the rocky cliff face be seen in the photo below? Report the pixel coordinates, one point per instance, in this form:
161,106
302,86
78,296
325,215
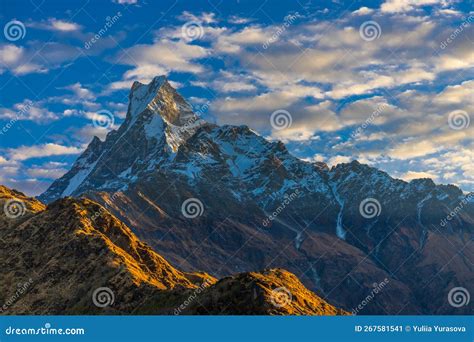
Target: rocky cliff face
74,257
339,229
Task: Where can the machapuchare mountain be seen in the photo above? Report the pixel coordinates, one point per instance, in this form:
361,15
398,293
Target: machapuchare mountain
74,257
224,200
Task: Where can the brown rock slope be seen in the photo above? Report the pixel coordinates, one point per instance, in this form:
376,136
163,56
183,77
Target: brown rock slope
15,205
271,292
56,260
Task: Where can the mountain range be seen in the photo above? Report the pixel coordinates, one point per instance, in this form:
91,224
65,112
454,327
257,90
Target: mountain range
226,201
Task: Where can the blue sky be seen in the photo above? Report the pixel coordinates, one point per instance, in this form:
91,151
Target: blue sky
389,83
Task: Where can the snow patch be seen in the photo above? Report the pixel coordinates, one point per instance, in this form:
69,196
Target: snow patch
154,128
77,179
340,232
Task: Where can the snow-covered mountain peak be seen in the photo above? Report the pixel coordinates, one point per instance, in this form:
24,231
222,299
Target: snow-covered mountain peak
141,95
158,108
161,98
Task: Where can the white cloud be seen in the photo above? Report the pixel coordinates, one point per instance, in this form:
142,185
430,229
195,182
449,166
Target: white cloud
234,42
395,6
37,57
229,87
15,59
64,26
410,175
48,171
159,58
234,19
333,161
126,2
373,111
228,82
58,25
205,17
347,89
86,133
37,151
457,59
455,94
449,11
363,11
28,111
80,92
10,54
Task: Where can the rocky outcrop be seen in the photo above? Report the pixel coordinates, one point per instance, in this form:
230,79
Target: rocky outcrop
74,257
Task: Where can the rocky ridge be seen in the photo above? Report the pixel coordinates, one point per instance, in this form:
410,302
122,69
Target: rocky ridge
74,257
